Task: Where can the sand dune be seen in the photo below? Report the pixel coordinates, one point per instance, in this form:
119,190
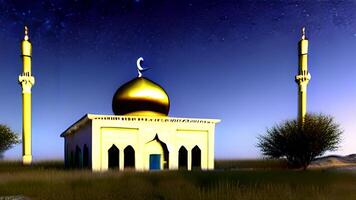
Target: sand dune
334,161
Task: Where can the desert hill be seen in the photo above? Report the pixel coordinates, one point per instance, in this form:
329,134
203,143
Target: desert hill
334,161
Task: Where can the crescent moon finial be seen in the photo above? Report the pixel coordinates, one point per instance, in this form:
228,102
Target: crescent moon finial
140,69
138,63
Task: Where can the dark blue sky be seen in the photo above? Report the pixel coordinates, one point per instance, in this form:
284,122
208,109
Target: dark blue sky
231,60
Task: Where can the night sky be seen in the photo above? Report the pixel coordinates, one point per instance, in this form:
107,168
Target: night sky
230,60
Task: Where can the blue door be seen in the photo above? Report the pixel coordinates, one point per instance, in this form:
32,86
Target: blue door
155,161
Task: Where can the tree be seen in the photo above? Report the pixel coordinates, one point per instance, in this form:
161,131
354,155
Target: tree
7,139
298,143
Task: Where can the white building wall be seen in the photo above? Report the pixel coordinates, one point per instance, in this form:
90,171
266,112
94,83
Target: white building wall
79,138
121,131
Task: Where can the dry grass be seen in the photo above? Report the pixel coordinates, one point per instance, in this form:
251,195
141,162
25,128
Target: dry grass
48,180
250,164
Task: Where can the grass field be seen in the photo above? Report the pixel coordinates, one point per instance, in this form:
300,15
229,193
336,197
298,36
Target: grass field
255,179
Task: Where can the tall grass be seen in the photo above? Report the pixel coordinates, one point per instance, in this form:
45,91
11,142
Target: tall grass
50,180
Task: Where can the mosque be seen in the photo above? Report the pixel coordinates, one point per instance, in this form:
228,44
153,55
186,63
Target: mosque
140,135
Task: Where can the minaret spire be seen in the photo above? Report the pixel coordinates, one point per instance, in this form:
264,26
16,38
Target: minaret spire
303,76
26,80
26,33
303,33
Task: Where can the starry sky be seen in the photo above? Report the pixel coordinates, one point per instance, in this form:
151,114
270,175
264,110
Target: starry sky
231,60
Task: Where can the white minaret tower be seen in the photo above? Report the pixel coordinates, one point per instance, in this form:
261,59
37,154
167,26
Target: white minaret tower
303,77
26,80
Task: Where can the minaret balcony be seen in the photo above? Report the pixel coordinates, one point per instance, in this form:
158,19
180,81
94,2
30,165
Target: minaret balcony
26,78
302,78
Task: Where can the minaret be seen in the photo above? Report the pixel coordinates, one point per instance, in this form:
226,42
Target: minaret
303,77
26,80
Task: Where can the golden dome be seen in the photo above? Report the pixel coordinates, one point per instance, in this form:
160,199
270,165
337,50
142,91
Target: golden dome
141,97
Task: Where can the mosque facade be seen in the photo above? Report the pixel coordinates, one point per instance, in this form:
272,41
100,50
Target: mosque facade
140,135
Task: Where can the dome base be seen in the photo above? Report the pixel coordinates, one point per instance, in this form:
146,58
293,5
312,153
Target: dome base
146,113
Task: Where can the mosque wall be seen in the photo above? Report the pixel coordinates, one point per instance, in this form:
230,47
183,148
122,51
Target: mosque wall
74,143
140,133
121,137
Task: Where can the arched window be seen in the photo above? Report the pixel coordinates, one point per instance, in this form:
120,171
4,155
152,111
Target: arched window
113,157
129,157
183,158
78,157
85,156
196,158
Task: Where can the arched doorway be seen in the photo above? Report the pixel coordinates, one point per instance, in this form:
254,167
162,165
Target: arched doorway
113,157
196,158
85,156
78,157
157,154
183,158
129,157
165,155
